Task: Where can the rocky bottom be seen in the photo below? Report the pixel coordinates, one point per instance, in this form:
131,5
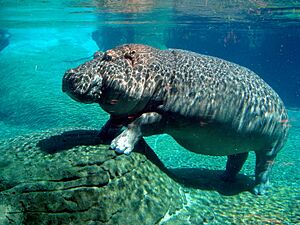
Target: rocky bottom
66,177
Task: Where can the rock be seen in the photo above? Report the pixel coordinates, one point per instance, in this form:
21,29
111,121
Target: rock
67,178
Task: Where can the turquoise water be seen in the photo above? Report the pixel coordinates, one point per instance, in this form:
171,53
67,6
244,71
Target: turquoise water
40,40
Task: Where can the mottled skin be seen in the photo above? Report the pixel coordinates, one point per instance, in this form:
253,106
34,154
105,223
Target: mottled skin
208,105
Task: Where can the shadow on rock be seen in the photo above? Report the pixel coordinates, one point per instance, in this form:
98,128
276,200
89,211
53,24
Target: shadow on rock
68,140
190,177
205,179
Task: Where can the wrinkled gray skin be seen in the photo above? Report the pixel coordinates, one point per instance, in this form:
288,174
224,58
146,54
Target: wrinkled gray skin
208,105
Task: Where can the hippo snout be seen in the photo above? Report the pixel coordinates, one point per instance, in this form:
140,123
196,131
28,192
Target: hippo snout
83,87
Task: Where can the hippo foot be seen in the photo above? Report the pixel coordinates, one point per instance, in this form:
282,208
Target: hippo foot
261,189
125,142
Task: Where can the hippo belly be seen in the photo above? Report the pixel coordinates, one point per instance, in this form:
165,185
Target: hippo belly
215,139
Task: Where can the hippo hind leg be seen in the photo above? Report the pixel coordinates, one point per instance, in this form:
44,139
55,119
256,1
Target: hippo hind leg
234,165
264,163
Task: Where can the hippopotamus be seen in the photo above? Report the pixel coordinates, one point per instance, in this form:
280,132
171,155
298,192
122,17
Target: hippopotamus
208,105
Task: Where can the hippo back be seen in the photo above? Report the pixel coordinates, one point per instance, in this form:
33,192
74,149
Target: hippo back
217,90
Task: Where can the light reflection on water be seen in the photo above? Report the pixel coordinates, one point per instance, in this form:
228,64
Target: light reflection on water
85,13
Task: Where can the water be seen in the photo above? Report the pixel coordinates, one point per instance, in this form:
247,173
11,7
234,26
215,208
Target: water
40,40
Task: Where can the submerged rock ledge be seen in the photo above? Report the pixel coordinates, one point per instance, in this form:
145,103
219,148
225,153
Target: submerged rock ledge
57,177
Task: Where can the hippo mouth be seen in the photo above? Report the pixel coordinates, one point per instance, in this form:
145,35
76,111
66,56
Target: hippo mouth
71,91
84,89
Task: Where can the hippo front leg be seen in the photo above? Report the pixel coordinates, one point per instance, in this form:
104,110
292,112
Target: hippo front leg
125,142
110,130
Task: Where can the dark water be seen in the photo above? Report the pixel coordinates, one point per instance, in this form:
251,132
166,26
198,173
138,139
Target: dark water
39,40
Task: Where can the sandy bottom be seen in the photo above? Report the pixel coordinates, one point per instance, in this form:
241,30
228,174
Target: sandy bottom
31,100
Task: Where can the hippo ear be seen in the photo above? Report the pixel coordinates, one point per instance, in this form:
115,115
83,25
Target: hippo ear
98,54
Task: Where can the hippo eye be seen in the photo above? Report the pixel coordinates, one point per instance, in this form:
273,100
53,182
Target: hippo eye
128,56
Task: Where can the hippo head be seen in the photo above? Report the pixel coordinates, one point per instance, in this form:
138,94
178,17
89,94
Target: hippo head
110,78
84,83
